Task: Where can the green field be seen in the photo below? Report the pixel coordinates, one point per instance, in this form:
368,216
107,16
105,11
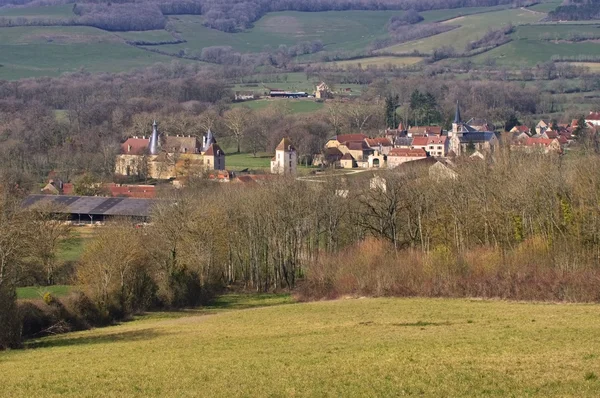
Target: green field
338,30
34,292
379,62
292,105
445,14
347,348
153,36
546,6
240,161
48,12
530,52
553,31
472,27
50,51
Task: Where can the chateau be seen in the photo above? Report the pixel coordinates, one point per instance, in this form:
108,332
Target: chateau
165,156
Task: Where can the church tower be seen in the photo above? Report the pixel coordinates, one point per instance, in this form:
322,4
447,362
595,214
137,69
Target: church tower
153,145
457,124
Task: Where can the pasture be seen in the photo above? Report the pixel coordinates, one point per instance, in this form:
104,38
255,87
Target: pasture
338,30
63,11
519,53
379,62
51,51
350,348
472,27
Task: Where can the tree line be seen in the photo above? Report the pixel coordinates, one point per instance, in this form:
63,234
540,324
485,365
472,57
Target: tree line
515,225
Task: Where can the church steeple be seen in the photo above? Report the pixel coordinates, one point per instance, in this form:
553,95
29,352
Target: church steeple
457,119
153,144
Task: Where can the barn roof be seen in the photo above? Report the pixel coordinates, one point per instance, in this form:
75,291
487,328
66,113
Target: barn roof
93,205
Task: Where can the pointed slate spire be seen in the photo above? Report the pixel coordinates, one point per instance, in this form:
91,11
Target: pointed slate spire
209,139
457,119
153,144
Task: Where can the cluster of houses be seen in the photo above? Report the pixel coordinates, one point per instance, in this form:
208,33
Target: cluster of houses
474,138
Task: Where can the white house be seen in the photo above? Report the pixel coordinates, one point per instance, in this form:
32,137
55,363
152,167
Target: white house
286,158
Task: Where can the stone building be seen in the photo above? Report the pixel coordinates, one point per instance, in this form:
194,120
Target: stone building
168,156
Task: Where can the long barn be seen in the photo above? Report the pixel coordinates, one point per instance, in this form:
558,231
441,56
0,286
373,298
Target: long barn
91,209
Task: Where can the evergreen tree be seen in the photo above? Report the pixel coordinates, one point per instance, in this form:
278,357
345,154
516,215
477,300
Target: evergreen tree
391,103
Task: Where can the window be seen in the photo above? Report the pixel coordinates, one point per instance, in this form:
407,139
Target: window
439,148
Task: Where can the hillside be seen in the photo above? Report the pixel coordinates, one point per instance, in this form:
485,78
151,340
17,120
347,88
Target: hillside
388,347
30,51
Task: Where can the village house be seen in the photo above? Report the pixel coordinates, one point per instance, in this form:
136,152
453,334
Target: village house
521,129
167,157
398,156
322,91
285,160
348,162
542,126
437,146
417,131
593,118
546,145
342,139
380,144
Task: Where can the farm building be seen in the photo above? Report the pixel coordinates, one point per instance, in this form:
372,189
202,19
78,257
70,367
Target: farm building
92,209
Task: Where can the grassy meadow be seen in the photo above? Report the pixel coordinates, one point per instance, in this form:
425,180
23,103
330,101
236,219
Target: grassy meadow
51,51
357,347
380,62
471,28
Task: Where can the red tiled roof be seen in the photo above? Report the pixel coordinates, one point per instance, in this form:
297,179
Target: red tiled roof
419,152
374,142
562,140
285,145
522,129
132,191
593,116
67,188
347,156
420,141
551,134
212,149
441,140
135,146
537,141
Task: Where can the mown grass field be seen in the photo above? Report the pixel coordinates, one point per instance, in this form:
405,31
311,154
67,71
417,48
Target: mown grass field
472,27
344,348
